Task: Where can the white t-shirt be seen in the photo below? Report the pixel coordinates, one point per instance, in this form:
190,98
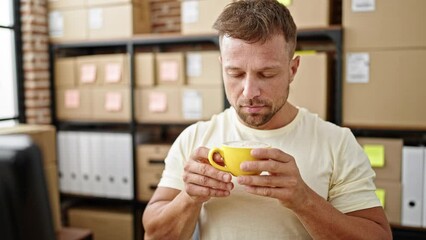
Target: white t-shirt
330,161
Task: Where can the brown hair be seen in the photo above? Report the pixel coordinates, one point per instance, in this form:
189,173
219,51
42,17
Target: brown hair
257,20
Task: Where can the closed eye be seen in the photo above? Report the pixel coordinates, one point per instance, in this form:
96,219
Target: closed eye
267,75
235,74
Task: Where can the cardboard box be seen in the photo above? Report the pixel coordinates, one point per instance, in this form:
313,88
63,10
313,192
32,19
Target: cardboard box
201,102
385,89
111,2
158,105
198,16
383,24
392,204
310,88
114,69
88,70
170,68
151,156
310,14
144,69
118,21
68,25
44,136
65,72
61,4
111,104
73,104
147,183
203,68
150,165
391,149
178,105
106,224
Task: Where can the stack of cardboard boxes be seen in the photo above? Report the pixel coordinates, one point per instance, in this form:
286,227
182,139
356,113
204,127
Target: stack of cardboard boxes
93,88
384,44
198,16
150,163
386,159
178,87
311,87
80,20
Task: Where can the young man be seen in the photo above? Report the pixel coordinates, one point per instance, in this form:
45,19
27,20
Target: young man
319,183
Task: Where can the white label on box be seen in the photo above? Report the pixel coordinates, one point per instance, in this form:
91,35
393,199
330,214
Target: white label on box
56,24
194,65
190,11
96,18
357,67
363,5
192,104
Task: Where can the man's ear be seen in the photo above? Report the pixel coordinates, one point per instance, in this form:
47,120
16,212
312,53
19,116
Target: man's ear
220,59
294,66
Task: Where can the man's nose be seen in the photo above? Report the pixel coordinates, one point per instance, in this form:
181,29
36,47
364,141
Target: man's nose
251,87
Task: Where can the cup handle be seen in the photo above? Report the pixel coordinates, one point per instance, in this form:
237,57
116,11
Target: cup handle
213,163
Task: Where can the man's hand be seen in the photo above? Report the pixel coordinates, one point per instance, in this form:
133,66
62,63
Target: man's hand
283,182
203,181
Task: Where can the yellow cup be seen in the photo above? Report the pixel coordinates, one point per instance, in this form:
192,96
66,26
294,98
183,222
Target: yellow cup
233,154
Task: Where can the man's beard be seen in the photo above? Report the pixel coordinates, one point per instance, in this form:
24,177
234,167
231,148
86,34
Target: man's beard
259,119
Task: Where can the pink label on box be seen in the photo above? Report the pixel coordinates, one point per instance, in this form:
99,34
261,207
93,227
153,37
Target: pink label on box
113,101
88,73
113,72
169,71
157,102
72,99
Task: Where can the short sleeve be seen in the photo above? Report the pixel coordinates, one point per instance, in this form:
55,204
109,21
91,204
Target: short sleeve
352,183
175,162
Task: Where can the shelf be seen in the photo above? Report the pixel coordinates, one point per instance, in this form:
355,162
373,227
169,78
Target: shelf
149,39
129,45
333,32
404,232
410,137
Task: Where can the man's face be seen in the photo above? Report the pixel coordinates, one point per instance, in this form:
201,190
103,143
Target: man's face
256,78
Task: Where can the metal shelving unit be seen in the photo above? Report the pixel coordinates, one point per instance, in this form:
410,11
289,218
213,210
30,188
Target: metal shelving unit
333,34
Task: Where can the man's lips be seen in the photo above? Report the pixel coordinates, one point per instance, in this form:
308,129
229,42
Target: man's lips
253,108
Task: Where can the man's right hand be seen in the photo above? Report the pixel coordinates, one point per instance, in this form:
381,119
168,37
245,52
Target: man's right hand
203,181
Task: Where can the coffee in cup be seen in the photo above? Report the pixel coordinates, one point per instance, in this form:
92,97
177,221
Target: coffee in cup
233,154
